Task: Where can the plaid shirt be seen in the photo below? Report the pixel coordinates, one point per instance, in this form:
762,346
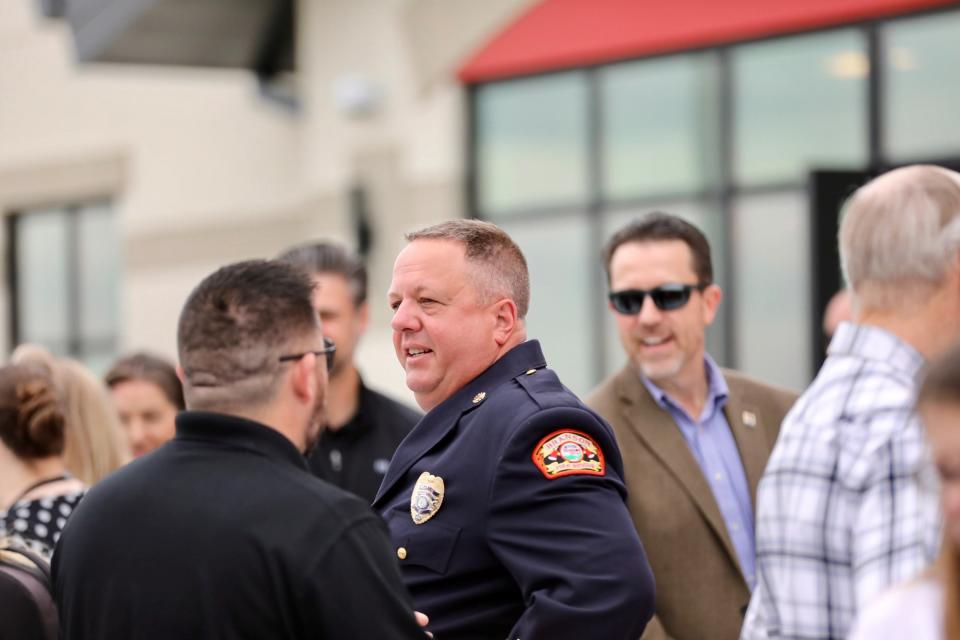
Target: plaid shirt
848,503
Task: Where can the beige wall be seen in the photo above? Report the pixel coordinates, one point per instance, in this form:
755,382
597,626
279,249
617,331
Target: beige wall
202,171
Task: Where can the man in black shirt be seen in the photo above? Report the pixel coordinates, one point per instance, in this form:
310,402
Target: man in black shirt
363,427
223,532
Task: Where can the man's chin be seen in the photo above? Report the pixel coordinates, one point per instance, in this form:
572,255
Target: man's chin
659,372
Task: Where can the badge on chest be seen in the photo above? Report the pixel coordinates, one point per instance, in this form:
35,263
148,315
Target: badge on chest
426,498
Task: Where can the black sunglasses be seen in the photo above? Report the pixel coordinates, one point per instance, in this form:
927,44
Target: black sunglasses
328,350
666,297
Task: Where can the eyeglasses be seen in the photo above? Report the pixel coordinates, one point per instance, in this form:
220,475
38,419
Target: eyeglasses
666,297
328,350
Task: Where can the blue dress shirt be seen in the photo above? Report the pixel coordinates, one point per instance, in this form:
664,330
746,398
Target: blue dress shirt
713,447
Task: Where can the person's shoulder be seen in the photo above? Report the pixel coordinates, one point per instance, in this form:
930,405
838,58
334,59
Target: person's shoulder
605,395
400,413
911,610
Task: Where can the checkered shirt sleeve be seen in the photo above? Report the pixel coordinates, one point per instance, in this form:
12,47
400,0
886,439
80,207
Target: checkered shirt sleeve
848,503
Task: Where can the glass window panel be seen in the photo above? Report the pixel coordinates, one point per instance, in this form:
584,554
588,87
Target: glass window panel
532,143
561,314
771,234
921,92
99,269
707,219
659,126
799,103
42,278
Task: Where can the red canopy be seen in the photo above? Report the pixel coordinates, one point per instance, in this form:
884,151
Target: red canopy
558,34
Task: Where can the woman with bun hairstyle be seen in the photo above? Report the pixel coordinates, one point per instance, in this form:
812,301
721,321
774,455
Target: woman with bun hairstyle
95,446
37,493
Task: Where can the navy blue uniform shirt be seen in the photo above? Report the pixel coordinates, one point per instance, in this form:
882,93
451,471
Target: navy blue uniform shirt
528,536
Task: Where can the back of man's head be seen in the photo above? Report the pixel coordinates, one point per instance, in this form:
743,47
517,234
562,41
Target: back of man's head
900,235
233,328
327,257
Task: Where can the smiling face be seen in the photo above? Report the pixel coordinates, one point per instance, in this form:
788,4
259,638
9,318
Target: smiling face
443,334
666,346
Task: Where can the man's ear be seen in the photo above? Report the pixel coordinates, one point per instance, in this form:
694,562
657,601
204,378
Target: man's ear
303,378
180,374
505,320
712,295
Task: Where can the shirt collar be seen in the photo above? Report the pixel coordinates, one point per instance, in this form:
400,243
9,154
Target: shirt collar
239,432
717,389
869,342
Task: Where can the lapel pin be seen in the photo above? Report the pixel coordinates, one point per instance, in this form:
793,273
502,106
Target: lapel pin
750,419
477,399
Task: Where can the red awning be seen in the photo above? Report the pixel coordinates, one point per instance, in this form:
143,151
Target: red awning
559,34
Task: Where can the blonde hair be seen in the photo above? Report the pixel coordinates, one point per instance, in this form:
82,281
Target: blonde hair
94,446
899,235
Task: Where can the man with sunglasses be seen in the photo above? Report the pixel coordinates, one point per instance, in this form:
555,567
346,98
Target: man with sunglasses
222,532
363,427
694,437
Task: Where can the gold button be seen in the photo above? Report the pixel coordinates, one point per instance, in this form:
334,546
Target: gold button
530,372
402,553
477,399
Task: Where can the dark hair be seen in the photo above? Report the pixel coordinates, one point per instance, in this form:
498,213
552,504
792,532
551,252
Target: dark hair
234,326
31,413
327,257
150,368
657,227
941,380
488,246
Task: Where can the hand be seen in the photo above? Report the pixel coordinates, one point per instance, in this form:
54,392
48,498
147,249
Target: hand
423,621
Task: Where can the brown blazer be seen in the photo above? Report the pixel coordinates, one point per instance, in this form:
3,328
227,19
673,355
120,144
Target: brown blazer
701,591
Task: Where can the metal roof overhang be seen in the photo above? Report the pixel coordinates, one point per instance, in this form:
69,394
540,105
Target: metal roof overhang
562,34
245,34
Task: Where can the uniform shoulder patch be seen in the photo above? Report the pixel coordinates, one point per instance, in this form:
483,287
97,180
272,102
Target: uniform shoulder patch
568,453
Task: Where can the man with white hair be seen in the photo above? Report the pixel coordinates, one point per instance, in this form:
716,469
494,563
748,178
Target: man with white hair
848,503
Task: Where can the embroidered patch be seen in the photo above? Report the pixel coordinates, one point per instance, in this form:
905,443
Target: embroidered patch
568,453
426,498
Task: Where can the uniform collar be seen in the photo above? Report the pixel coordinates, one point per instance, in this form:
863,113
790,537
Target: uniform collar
441,419
238,432
523,357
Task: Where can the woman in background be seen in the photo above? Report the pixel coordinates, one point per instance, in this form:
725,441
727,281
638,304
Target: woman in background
928,608
37,492
147,394
95,446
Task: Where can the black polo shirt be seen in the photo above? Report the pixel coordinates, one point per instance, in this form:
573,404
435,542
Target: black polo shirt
222,533
355,457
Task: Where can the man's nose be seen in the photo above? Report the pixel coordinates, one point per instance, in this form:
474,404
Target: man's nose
404,318
649,313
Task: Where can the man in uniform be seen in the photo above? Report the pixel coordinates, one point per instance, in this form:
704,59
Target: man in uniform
223,532
363,427
694,437
506,501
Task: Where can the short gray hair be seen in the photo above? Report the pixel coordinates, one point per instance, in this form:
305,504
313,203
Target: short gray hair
491,249
899,234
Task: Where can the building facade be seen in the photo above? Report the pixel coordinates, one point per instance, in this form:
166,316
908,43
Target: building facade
133,166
